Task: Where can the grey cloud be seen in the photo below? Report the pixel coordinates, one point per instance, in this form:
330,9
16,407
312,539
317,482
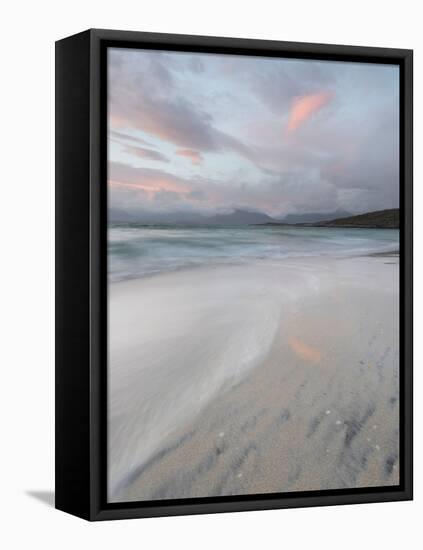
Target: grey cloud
137,101
345,157
143,152
277,86
196,64
120,137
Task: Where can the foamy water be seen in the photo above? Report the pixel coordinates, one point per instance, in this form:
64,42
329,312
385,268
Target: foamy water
136,251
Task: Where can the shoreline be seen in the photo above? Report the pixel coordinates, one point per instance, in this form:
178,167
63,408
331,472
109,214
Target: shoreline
241,423
191,268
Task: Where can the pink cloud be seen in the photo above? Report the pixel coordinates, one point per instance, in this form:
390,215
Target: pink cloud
151,187
149,180
304,107
194,156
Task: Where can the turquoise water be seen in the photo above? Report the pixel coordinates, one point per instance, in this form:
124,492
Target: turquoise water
136,251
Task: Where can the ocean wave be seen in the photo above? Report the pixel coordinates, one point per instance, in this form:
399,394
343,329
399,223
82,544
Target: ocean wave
136,251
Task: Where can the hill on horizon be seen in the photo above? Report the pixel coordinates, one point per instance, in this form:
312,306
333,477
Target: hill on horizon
383,219
313,217
238,217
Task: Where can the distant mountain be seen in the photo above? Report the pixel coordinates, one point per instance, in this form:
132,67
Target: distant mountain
237,217
381,218
240,217
384,219
313,217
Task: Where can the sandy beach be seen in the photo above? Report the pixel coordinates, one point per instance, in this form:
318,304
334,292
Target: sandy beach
271,377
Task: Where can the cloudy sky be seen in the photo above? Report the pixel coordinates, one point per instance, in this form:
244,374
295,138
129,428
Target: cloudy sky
210,133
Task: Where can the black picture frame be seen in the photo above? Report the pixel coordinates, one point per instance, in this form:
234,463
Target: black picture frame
81,278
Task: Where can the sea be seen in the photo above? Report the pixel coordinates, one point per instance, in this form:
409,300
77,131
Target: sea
137,251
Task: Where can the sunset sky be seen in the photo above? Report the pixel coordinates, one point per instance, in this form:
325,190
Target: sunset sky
209,133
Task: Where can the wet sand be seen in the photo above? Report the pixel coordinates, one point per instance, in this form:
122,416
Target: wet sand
313,404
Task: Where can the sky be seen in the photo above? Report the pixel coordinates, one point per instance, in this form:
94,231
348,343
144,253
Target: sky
210,133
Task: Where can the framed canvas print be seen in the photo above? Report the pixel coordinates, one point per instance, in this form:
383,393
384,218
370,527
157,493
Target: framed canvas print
234,274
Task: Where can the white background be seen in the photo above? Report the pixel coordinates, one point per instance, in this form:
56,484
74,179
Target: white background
28,32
